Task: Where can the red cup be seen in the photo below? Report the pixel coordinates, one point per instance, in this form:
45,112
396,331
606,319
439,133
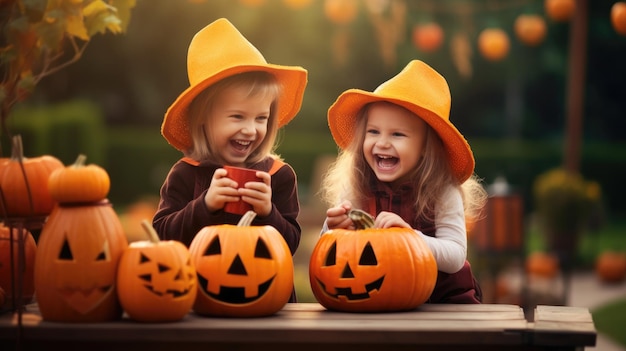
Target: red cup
241,176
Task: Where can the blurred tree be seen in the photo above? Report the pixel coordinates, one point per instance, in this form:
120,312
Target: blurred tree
41,37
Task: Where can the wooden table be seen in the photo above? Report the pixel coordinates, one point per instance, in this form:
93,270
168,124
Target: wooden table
310,327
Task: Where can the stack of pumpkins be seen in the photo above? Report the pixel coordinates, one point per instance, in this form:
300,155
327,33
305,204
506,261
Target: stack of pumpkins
83,268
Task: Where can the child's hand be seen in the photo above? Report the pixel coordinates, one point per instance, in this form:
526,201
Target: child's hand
388,220
337,217
258,194
221,191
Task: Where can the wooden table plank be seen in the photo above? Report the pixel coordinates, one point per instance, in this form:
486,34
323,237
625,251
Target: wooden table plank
302,326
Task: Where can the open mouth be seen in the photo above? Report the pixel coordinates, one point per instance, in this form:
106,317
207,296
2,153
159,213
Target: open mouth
234,295
386,162
241,145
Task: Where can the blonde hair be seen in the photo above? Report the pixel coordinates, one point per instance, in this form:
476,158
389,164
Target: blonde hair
256,83
350,177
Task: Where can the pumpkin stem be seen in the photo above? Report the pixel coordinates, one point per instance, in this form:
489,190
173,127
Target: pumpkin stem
17,151
80,161
246,219
361,219
152,234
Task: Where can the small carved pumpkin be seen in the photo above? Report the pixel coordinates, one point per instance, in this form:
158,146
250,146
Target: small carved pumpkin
79,182
24,183
76,264
7,278
243,270
371,269
156,281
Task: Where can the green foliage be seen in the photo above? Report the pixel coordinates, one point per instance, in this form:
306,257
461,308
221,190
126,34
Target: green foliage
62,130
39,32
610,320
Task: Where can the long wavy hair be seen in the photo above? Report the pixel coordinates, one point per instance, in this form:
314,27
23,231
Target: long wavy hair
350,177
255,83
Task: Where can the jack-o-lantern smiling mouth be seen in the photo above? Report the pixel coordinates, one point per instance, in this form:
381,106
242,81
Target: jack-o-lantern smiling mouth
348,294
174,293
234,295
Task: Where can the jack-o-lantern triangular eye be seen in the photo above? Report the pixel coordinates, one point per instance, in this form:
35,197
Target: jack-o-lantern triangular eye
163,268
143,258
214,247
368,257
261,250
66,251
331,257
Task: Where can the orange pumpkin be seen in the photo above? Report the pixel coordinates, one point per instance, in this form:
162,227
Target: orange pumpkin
611,266
243,270
542,264
79,182
341,11
76,263
24,183
559,10
530,29
371,269
428,37
156,281
9,271
493,44
618,17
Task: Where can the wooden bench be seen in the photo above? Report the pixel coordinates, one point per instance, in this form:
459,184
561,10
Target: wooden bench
310,327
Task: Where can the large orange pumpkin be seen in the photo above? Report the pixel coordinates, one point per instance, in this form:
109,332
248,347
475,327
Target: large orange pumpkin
10,271
618,17
530,29
428,37
542,264
156,281
493,44
371,269
560,10
24,183
243,270
77,258
611,266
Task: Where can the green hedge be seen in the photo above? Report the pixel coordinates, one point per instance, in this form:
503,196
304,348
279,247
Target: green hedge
138,159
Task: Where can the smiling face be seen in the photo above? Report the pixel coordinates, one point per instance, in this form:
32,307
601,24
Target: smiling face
394,141
238,124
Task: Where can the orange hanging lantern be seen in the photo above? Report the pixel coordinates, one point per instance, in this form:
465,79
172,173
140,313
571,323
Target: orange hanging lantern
297,4
560,10
341,11
530,29
428,37
618,17
493,44
371,269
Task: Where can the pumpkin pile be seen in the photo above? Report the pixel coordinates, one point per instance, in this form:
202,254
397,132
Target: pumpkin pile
243,270
79,248
371,269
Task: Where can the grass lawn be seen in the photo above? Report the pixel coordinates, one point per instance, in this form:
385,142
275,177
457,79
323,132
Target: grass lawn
610,320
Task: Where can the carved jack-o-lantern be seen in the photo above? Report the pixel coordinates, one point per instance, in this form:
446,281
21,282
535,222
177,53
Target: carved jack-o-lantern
76,264
156,281
371,270
243,270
